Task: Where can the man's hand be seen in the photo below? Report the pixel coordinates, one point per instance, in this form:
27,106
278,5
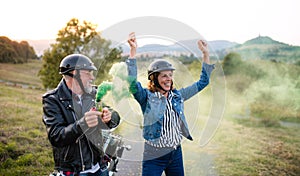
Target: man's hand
91,118
133,44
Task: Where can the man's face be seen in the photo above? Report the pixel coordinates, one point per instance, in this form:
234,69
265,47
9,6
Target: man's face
87,79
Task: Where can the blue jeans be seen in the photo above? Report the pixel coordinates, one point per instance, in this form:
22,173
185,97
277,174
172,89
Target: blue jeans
156,160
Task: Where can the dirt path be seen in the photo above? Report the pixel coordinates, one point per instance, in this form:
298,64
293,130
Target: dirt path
197,161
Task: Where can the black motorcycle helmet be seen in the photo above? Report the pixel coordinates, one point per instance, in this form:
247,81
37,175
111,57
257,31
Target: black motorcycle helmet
76,62
158,66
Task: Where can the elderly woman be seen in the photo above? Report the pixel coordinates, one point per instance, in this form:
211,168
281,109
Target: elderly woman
162,106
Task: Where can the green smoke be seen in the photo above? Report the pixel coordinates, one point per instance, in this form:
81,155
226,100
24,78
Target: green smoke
118,86
102,90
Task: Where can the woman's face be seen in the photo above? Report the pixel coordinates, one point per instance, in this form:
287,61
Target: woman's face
165,79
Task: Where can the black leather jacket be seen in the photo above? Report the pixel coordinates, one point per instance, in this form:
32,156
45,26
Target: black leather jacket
75,146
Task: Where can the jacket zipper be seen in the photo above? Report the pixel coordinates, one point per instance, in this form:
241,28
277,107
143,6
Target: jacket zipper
91,151
80,150
65,158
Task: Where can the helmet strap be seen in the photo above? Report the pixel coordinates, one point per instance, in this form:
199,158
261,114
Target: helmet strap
77,77
159,86
69,74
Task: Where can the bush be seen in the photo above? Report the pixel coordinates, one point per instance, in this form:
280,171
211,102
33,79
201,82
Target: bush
231,63
241,73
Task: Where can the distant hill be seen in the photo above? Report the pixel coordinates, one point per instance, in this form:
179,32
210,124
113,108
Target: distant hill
261,47
265,48
215,45
186,46
263,40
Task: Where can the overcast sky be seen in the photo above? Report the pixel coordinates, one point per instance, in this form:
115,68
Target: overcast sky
232,20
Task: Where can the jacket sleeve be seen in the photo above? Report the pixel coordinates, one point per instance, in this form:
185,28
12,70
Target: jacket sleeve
114,122
205,75
60,133
135,87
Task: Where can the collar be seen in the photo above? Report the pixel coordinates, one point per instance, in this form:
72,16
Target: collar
170,95
64,92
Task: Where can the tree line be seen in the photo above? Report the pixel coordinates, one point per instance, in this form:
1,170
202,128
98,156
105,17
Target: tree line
15,52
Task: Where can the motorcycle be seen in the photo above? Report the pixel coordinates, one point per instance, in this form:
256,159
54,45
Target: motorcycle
113,148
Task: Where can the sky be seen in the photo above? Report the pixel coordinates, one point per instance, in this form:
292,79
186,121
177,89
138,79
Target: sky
232,20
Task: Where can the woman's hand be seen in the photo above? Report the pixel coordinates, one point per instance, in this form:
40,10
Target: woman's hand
91,117
202,45
133,44
106,115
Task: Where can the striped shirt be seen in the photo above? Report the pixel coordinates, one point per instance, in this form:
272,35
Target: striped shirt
171,134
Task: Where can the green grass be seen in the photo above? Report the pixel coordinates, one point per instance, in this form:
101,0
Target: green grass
22,73
24,149
257,150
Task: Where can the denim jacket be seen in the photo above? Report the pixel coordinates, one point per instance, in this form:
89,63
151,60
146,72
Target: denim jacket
153,107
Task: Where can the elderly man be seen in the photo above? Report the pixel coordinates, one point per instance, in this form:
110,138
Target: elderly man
73,125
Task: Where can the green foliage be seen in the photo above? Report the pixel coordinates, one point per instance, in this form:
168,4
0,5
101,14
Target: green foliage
232,63
70,39
14,52
270,89
187,59
113,56
276,95
81,38
243,73
195,68
49,72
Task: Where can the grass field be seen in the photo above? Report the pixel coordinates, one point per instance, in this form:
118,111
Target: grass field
22,73
24,149
244,144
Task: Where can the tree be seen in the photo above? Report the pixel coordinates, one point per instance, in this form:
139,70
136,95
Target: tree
76,37
297,63
26,51
231,63
102,55
7,53
14,52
